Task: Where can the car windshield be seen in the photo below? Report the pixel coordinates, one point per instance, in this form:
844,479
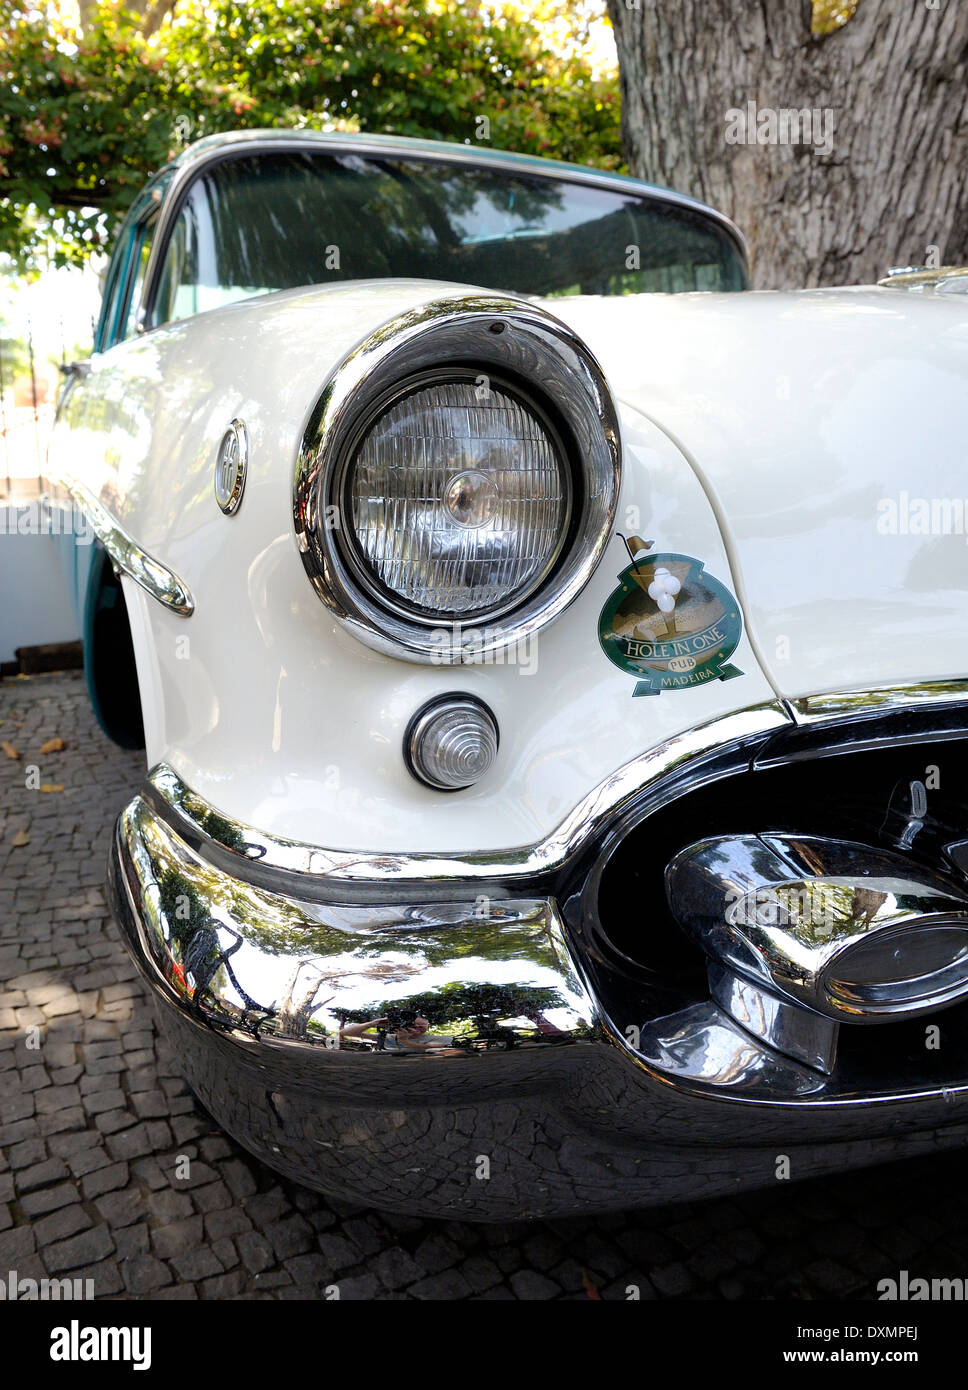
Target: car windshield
252,224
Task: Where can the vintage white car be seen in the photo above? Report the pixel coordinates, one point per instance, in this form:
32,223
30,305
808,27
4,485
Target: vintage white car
553,684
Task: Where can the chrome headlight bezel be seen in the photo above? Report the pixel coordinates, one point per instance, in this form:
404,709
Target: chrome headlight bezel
550,368
350,549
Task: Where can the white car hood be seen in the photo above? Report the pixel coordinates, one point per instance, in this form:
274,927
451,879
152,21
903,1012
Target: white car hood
830,430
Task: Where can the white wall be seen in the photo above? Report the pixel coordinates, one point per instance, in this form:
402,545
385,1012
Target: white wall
36,605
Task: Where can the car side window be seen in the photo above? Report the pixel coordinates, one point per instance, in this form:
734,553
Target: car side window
140,250
124,281
177,294
110,298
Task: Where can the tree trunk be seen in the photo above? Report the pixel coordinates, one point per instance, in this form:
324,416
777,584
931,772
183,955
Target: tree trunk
893,188
156,16
296,1010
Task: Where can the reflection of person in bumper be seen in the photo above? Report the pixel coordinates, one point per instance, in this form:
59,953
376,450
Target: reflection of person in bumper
409,1038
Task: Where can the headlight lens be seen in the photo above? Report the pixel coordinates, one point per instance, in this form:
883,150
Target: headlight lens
459,497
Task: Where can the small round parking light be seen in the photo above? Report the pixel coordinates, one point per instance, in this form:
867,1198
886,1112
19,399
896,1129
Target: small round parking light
451,742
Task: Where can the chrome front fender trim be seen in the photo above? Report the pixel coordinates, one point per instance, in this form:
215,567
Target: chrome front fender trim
127,555
853,721
259,857
771,732
490,333
840,705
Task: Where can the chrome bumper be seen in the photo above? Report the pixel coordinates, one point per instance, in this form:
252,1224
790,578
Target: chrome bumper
300,1023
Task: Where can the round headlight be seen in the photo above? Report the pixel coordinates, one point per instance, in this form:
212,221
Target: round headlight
459,498
458,478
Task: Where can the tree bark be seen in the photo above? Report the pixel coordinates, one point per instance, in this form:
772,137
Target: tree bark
893,188
156,16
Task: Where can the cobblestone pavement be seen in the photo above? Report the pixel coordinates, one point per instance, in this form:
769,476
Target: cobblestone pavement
93,1112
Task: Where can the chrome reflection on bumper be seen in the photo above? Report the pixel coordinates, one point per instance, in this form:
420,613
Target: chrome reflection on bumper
449,1059
804,933
347,978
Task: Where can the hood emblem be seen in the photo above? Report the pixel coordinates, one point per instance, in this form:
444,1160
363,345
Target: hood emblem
669,623
231,463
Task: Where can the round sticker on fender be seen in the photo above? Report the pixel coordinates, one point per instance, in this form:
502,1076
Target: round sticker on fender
670,624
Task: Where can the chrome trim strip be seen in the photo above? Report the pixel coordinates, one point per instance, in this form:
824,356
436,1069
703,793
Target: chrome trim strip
260,857
126,554
859,704
859,721
943,279
496,333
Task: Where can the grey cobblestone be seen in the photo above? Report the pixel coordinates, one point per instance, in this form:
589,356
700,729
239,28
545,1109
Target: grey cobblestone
41,1175
529,1284
86,1249
178,1239
143,1273
107,1179
122,1208
200,1263
34,1204
91,1122
60,1225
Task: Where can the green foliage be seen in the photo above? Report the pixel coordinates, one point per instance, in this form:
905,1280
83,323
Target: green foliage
182,906
829,15
86,117
81,120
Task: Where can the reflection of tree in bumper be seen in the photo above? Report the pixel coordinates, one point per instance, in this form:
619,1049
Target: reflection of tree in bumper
469,1012
528,1072
195,936
296,1011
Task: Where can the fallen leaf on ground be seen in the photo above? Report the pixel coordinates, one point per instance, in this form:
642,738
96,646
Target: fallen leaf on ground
21,838
53,745
10,751
50,787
